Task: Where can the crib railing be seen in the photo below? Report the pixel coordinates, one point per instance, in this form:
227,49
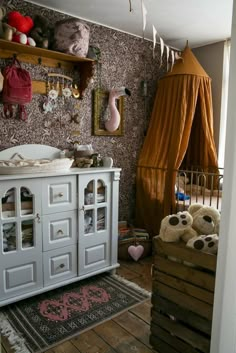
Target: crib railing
200,186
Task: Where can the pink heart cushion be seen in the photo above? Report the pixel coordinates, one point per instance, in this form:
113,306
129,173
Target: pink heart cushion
135,251
22,23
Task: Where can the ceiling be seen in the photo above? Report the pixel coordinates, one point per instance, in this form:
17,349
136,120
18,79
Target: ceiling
200,22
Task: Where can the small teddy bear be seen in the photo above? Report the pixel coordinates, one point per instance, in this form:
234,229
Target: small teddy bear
1,81
177,227
82,162
6,31
42,32
206,219
204,243
2,14
181,181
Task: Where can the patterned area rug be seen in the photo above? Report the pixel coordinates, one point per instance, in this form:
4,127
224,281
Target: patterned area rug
36,324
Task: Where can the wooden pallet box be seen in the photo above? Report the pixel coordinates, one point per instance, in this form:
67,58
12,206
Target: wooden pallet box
183,282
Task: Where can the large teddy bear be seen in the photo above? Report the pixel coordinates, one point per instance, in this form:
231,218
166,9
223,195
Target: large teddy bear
206,220
177,227
204,243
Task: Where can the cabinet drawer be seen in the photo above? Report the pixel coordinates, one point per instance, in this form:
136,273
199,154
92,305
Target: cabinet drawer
60,264
59,194
59,230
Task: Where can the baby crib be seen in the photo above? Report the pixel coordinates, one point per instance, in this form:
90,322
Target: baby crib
198,185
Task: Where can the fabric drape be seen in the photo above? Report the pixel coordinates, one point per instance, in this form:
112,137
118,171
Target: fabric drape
182,109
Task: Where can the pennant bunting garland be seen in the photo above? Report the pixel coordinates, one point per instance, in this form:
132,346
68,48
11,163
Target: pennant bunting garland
172,59
177,56
167,56
162,50
144,13
154,31
130,6
170,54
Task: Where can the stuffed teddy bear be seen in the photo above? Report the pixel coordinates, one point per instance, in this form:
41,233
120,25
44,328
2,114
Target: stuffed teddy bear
180,188
22,25
41,32
6,31
1,81
206,219
180,184
82,162
2,14
177,227
204,243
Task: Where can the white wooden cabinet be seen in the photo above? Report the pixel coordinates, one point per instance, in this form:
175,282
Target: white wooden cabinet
56,229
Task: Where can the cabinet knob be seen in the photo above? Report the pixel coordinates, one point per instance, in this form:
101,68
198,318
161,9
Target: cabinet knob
60,231
62,265
60,194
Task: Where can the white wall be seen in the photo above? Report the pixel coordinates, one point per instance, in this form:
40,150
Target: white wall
211,57
224,315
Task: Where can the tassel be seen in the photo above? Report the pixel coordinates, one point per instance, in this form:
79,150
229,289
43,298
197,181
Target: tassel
22,113
17,343
7,111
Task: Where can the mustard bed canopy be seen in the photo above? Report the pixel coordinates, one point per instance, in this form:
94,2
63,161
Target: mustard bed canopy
182,108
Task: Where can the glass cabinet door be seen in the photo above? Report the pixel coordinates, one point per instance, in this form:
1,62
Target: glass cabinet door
95,193
20,237
94,224
17,219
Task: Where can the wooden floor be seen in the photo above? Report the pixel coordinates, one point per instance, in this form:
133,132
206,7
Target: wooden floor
127,333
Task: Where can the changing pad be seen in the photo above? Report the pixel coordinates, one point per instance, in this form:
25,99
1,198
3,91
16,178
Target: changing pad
30,166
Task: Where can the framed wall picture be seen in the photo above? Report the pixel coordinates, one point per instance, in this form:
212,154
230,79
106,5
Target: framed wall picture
101,113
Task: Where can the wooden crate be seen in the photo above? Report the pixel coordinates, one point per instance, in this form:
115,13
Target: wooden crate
182,298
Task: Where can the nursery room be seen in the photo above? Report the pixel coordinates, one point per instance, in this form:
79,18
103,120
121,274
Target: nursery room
112,142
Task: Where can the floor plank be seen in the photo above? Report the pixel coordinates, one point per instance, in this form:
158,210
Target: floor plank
138,272
135,326
65,347
5,345
90,342
143,311
120,339
2,349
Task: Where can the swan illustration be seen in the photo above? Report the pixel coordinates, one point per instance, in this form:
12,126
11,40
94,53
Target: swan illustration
113,123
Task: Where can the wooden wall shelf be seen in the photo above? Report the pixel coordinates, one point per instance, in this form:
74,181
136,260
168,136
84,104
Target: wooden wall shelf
49,58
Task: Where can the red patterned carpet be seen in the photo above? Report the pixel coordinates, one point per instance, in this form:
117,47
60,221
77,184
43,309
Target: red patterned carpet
36,324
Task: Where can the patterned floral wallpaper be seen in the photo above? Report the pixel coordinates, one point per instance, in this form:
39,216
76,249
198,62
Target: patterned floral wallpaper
125,61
